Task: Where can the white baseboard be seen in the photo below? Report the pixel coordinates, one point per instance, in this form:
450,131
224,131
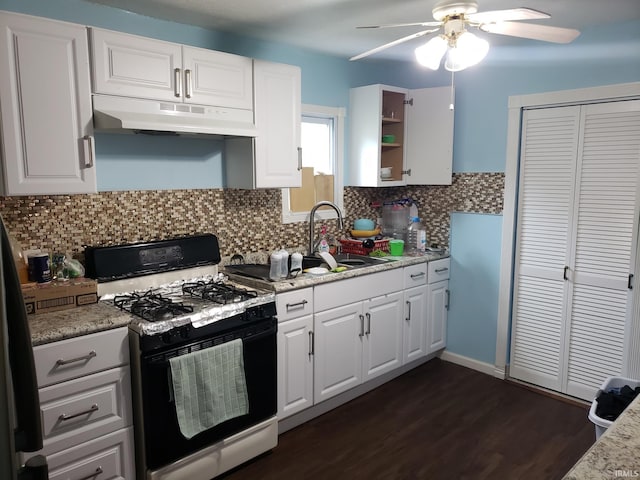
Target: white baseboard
473,364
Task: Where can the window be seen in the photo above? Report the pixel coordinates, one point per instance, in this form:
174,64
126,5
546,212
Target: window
322,141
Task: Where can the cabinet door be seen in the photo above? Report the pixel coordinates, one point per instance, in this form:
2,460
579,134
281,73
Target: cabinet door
295,365
438,305
429,142
278,117
217,78
45,98
382,347
339,335
415,324
134,66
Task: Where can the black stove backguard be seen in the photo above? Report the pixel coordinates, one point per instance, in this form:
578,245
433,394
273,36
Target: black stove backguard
137,259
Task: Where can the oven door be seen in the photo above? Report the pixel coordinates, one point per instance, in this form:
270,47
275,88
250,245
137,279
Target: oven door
164,443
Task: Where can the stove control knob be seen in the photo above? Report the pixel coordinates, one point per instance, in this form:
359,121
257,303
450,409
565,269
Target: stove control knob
167,337
185,331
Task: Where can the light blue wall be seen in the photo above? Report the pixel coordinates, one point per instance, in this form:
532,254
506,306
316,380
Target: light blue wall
474,283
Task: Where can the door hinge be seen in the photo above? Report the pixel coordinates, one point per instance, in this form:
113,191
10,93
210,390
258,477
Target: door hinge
408,102
406,172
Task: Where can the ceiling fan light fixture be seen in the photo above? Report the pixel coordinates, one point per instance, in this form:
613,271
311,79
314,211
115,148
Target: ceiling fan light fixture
467,50
430,54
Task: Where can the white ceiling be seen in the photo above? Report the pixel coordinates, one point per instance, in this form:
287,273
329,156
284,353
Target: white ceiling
329,26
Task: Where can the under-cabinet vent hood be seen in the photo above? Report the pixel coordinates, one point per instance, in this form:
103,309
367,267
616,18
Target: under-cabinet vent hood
122,113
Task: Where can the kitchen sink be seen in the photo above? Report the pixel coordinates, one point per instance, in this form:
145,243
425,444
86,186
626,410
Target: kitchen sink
354,260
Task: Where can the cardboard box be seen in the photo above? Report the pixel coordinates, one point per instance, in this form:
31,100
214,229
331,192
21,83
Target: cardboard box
55,296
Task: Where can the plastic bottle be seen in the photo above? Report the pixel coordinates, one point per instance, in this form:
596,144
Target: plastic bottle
296,263
416,237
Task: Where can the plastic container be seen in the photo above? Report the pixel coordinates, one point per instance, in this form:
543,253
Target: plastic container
416,237
395,216
275,270
284,263
296,264
396,247
350,245
610,383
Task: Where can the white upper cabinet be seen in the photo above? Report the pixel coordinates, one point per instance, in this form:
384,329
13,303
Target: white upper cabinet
45,101
134,66
408,131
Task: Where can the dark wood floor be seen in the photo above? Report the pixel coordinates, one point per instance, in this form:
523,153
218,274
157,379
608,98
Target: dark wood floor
438,421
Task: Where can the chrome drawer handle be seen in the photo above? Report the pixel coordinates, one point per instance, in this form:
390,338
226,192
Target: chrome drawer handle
441,270
187,83
93,475
418,275
86,357
301,304
311,344
408,319
93,408
177,79
361,334
368,323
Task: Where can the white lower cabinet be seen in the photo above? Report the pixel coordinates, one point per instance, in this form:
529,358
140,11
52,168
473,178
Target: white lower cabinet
295,351
85,405
356,341
438,304
415,327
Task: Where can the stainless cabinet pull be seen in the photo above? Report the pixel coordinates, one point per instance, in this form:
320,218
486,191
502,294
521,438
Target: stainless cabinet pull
60,362
441,270
368,323
187,83
311,344
418,275
361,334
408,319
92,408
299,158
301,304
564,274
177,79
629,286
448,293
93,475
89,151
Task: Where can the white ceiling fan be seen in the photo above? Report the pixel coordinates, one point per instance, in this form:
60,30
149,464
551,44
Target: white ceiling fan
465,49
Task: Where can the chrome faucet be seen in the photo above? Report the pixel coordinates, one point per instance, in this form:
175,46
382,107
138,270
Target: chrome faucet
312,220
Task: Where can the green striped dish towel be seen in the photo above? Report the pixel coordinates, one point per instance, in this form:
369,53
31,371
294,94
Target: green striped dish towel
209,387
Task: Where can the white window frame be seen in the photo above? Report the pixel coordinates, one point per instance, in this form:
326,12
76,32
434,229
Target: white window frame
338,115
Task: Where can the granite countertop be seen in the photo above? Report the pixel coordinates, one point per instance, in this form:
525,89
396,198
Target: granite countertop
75,322
306,280
616,454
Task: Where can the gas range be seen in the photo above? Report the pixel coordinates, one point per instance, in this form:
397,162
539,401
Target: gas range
196,301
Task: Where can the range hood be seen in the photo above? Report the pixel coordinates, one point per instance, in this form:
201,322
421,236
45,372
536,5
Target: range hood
112,113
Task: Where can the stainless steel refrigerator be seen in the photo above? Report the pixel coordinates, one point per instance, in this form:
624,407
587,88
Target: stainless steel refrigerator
20,423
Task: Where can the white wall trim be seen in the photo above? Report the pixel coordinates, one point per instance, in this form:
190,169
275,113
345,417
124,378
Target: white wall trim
472,363
604,93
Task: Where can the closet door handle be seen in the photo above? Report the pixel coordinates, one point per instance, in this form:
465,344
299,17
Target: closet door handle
311,344
177,79
368,323
408,319
361,334
564,275
629,285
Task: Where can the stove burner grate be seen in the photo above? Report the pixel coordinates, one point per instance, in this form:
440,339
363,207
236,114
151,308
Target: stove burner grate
218,292
151,306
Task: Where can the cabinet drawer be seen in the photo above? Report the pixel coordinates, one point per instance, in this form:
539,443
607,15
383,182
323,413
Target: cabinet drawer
438,270
294,304
76,357
82,409
415,275
108,457
343,292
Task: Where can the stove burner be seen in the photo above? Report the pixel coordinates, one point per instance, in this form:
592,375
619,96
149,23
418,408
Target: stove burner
218,292
151,306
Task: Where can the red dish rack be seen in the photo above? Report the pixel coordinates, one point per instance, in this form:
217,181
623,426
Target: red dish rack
350,245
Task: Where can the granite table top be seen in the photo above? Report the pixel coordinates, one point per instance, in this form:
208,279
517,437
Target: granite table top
75,322
616,454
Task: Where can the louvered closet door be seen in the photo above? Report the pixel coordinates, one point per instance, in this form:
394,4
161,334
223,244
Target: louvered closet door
546,195
605,229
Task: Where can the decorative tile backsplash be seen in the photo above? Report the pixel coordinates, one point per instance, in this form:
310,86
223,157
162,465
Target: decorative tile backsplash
244,220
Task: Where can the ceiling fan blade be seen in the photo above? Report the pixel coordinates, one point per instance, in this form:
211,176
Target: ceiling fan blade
535,32
393,25
392,44
506,15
